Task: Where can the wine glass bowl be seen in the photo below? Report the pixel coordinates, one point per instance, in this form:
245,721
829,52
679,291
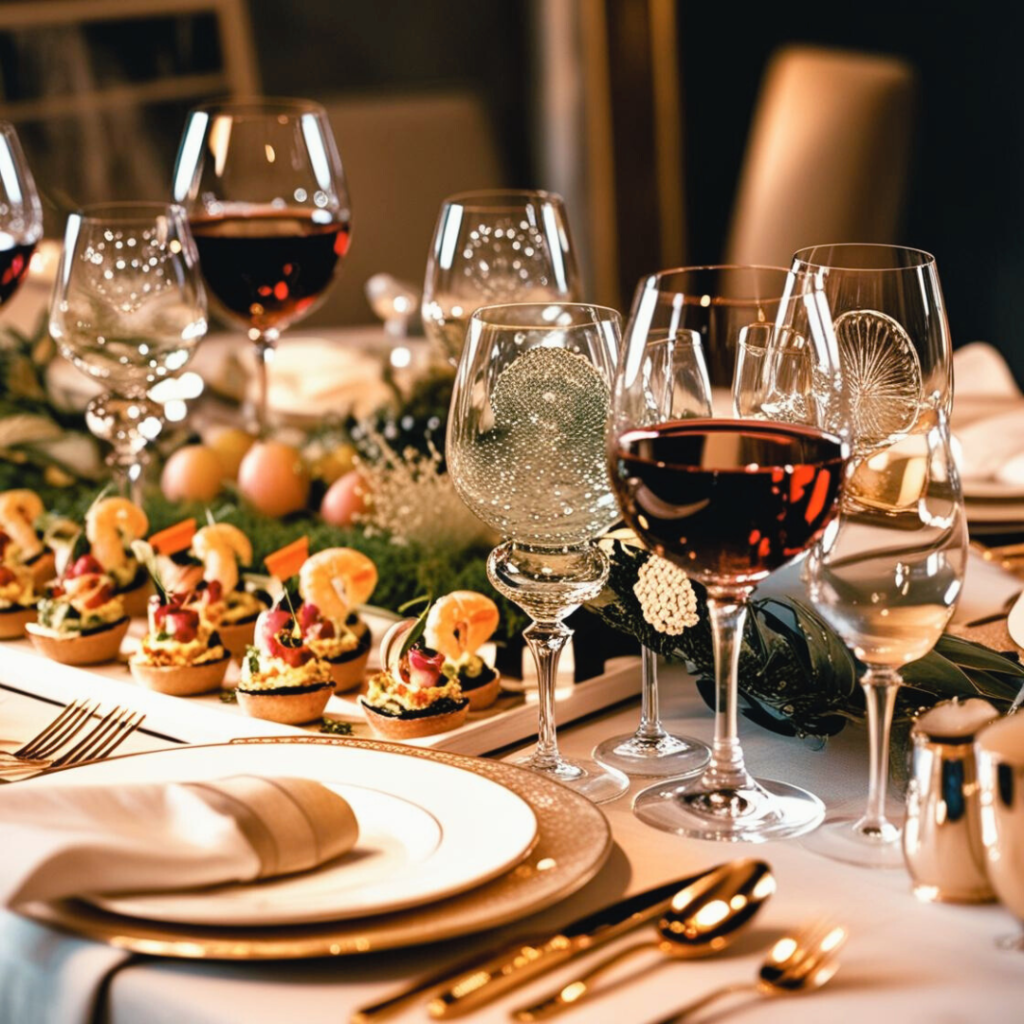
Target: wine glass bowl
493,247
265,192
128,309
526,453
21,214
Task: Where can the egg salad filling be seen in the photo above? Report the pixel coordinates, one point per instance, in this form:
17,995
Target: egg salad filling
262,672
231,609
177,638
81,605
16,589
395,696
350,637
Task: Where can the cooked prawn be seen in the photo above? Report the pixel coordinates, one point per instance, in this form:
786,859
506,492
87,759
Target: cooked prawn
336,580
111,524
18,511
222,547
461,622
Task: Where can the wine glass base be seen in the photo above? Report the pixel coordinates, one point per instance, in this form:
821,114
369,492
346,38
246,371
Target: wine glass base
588,778
676,756
840,839
770,810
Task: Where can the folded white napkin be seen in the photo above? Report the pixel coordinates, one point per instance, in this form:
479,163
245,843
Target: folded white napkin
66,841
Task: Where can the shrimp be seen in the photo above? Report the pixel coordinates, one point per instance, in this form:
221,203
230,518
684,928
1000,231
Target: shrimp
18,511
460,622
337,579
221,547
111,524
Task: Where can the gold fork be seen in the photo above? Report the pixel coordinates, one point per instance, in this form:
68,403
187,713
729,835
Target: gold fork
45,744
99,742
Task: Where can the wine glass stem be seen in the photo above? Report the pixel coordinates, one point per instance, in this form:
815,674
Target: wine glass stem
726,769
650,728
265,342
880,686
546,640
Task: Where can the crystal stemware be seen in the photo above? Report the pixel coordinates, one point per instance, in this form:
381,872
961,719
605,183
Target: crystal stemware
525,452
266,196
728,497
128,309
21,214
495,247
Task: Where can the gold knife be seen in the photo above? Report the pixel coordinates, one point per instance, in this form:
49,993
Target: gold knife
473,983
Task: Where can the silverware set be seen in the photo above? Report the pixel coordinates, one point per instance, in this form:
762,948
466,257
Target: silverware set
693,917
98,736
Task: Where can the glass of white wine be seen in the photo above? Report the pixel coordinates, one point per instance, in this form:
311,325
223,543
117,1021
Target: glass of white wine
526,453
128,309
888,582
495,247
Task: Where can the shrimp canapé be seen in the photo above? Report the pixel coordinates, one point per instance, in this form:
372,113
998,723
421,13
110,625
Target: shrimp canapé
20,543
332,584
458,625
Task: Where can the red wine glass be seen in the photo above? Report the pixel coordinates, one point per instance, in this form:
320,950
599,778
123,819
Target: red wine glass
266,197
727,497
21,215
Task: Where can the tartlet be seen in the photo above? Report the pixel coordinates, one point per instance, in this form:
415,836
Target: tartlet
332,582
458,625
111,525
180,654
81,620
411,697
17,600
282,679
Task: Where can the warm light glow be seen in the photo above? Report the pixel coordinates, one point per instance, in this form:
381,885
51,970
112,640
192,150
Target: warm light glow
711,914
783,949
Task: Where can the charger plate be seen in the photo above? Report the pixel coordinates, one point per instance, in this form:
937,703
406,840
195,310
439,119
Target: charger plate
573,842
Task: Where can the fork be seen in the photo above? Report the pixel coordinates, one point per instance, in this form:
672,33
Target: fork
98,743
68,724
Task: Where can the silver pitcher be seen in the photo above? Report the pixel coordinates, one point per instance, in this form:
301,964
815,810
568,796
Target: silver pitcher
942,840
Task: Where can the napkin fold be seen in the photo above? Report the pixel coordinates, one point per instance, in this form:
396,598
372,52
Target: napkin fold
67,841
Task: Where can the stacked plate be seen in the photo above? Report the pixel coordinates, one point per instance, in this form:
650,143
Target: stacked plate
993,467
448,845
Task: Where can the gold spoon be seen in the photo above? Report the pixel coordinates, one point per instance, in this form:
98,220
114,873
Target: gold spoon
703,919
796,964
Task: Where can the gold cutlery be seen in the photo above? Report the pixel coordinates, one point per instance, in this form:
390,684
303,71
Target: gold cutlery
796,964
702,919
485,977
68,724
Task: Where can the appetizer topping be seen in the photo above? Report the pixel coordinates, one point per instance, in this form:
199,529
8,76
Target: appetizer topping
336,580
412,679
16,587
457,625
111,524
177,637
221,547
80,603
84,565
18,512
422,667
280,659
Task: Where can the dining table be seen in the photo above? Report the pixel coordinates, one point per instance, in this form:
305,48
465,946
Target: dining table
905,959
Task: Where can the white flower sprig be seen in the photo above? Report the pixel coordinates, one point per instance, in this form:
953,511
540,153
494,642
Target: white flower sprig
667,600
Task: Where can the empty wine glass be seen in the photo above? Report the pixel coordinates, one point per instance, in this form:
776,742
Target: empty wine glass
526,454
21,214
495,247
128,309
888,583
265,192
729,499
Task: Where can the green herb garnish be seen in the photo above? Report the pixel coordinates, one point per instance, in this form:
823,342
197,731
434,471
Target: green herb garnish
419,627
335,727
252,657
229,697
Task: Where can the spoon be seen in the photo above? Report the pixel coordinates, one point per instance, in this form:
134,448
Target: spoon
702,919
796,964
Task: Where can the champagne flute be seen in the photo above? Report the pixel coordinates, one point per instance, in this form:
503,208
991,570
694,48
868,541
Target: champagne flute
727,499
265,192
525,452
21,214
490,248
128,309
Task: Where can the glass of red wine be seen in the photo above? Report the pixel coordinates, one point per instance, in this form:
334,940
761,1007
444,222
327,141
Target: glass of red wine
727,496
266,197
21,214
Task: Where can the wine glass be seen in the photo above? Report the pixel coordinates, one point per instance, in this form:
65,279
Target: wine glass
490,248
264,189
727,498
525,452
21,214
128,309
889,579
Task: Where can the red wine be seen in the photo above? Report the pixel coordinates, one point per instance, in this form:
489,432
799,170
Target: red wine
268,268
728,500
14,260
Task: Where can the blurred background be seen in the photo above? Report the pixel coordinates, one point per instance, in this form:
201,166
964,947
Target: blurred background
678,132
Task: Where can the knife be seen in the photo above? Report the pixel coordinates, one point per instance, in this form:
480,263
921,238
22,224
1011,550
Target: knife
474,983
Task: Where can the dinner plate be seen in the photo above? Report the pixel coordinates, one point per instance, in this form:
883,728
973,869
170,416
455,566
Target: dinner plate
574,841
427,831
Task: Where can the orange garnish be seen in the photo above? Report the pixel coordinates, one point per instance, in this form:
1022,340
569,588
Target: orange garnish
174,539
287,561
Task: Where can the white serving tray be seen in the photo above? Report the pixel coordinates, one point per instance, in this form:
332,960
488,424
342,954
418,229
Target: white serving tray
208,719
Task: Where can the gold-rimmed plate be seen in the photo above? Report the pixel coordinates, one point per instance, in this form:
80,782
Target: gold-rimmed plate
574,841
